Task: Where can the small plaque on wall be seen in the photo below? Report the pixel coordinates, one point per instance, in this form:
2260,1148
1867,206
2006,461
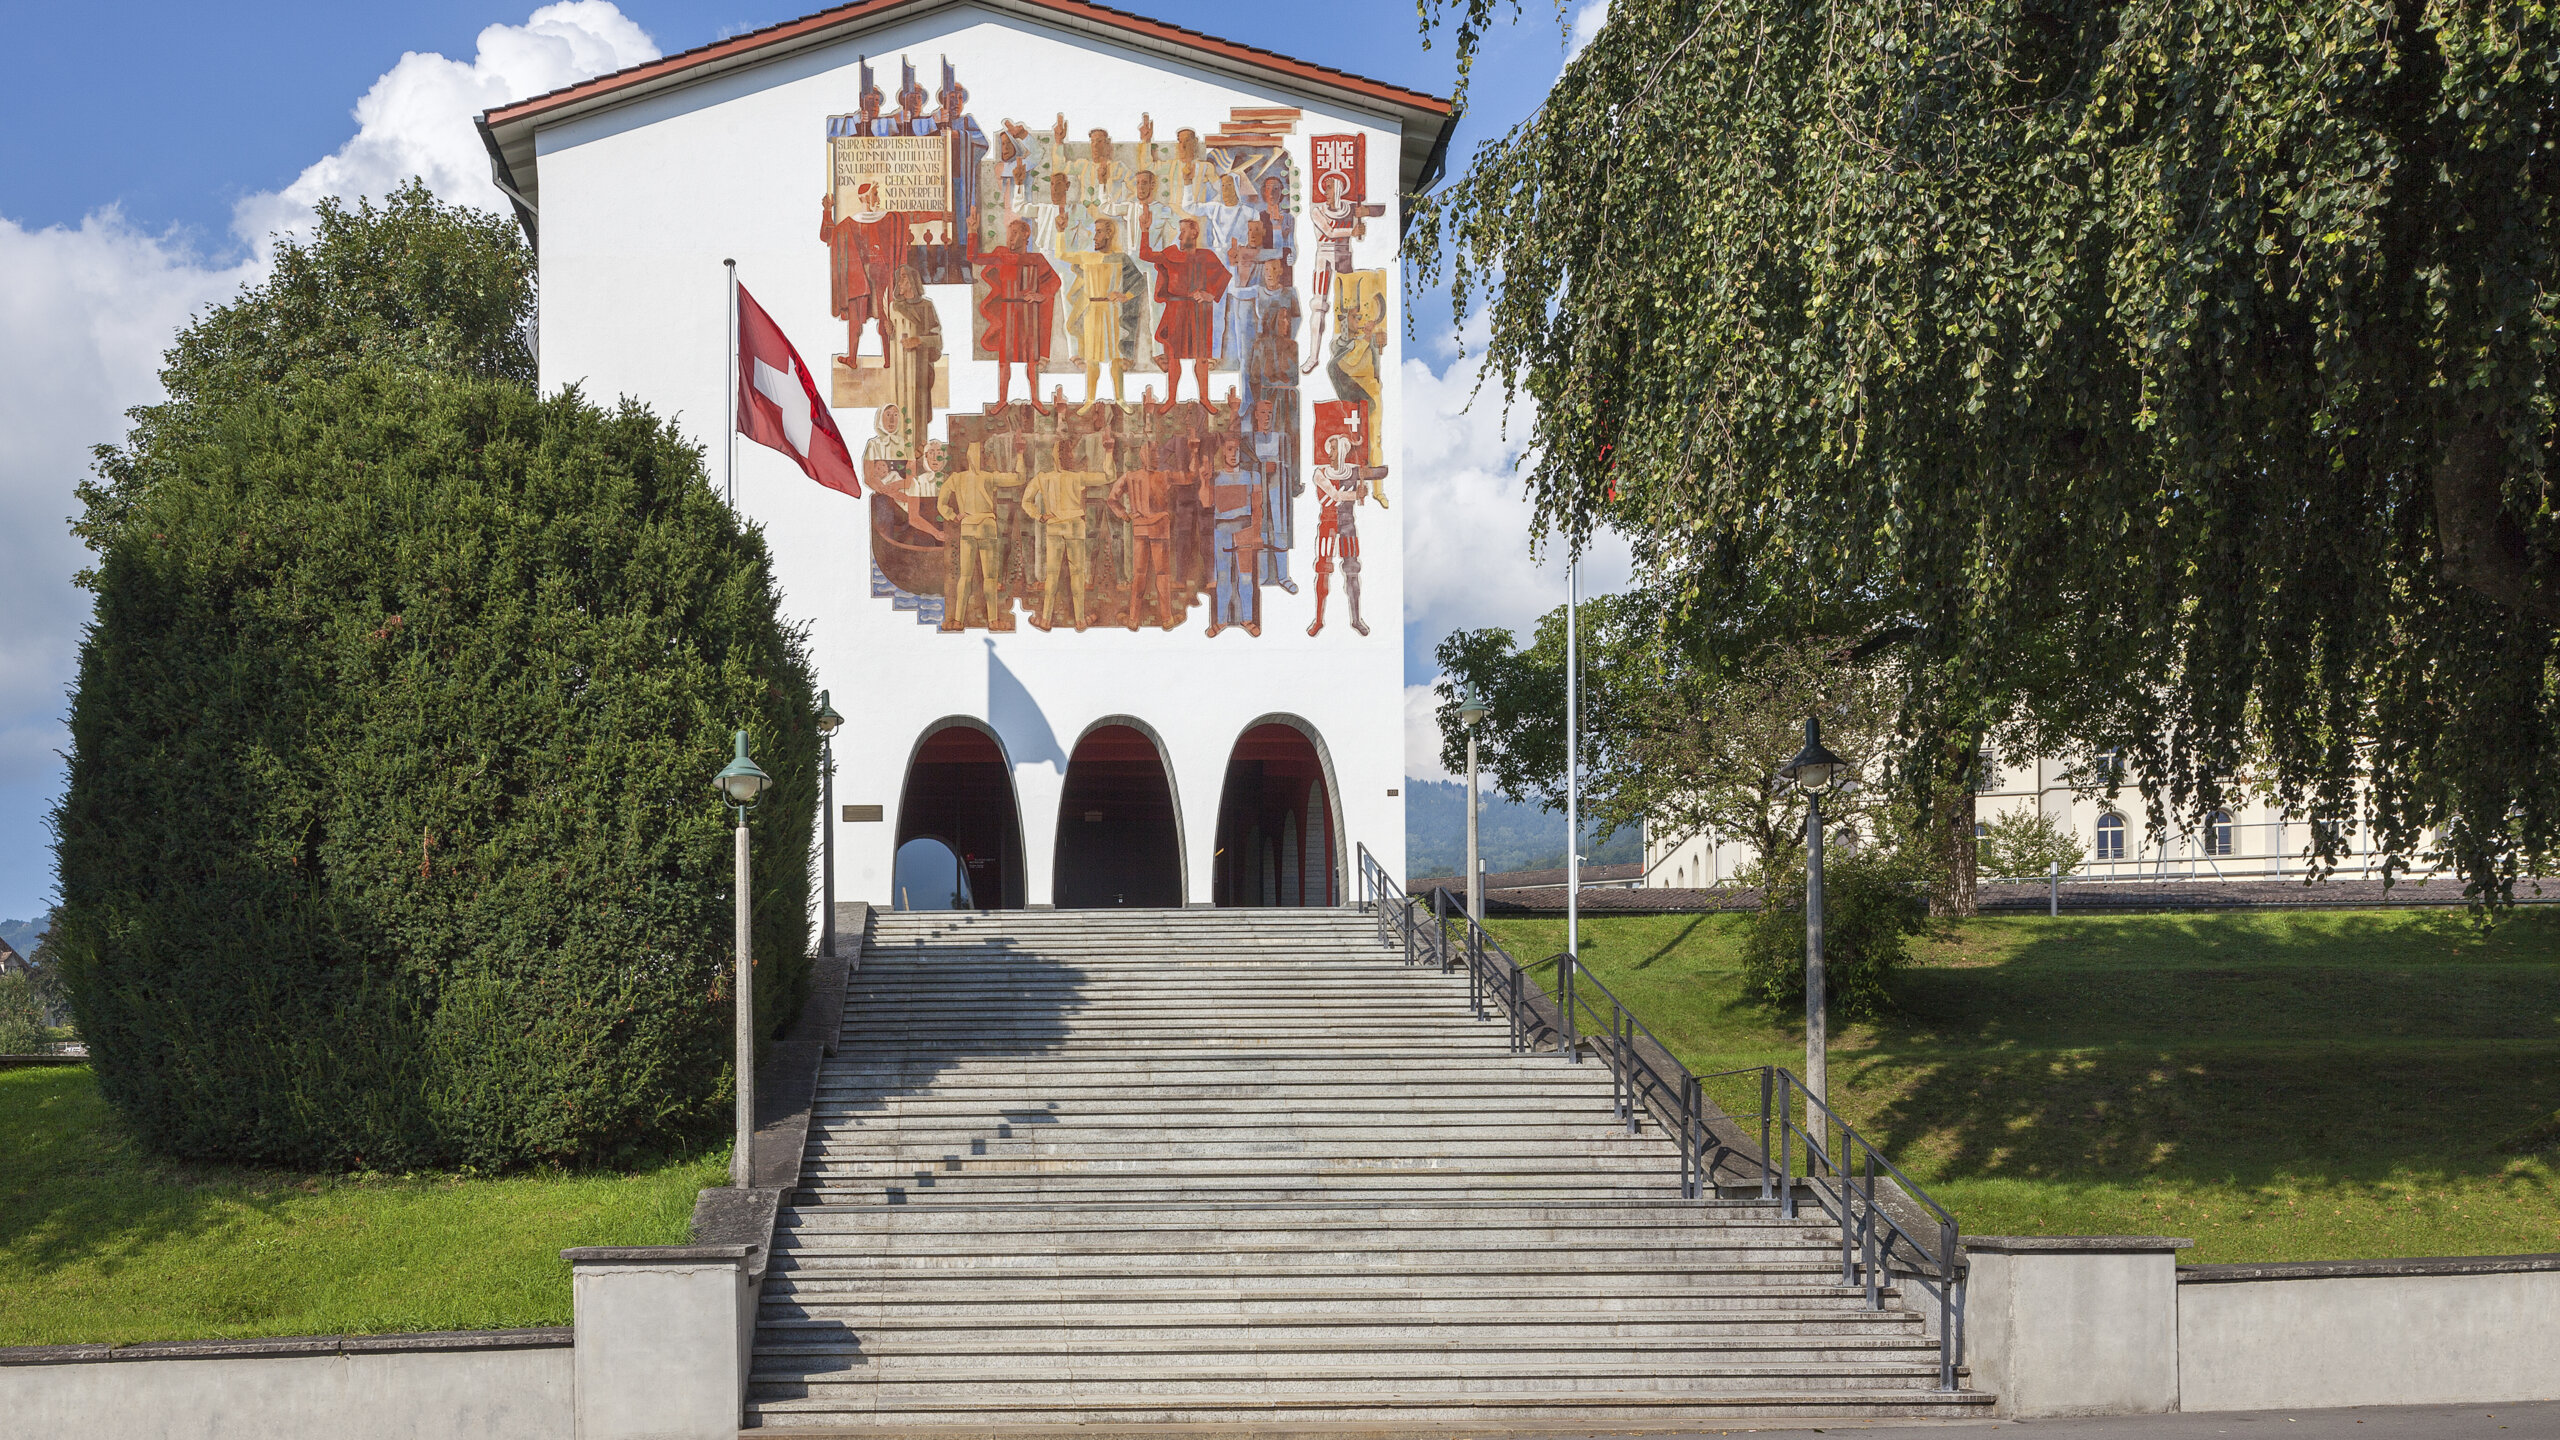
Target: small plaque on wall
854,814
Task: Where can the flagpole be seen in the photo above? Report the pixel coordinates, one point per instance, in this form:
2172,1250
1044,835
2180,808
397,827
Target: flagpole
729,389
1572,761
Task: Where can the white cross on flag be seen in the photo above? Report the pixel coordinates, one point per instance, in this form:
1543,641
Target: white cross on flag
778,402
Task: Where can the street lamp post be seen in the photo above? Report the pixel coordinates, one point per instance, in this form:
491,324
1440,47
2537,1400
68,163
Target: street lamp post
1470,715
741,782
1812,771
828,722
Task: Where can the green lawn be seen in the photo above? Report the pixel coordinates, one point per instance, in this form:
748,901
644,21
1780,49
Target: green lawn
101,1243
2289,1086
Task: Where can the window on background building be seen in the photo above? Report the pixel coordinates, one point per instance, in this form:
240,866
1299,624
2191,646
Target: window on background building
1980,830
2110,837
1986,773
2217,833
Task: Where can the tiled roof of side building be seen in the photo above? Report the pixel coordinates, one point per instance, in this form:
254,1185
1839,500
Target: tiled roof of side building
1518,879
2082,897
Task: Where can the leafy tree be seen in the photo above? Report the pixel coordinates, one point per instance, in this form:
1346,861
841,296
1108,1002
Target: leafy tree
22,1027
1671,738
1871,907
2170,374
2028,842
414,283
390,833
389,837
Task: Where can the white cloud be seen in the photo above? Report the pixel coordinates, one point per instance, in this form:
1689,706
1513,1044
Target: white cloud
1422,734
84,315
86,311
417,119
1466,548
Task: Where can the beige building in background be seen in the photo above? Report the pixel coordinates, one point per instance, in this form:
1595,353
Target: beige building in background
2251,840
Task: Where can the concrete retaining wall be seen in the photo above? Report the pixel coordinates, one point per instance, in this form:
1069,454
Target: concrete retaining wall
2387,1332
2073,1324
511,1383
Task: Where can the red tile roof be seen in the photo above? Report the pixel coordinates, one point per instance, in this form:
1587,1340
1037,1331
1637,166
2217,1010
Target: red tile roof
878,11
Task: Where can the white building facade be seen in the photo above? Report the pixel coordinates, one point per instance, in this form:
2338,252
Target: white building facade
1108,313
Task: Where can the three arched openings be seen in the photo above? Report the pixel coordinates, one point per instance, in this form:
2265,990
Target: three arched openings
1119,834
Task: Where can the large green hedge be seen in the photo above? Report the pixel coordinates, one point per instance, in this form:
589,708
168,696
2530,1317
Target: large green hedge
390,838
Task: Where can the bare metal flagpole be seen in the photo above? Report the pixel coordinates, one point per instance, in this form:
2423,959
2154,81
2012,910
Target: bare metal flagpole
729,389
1572,760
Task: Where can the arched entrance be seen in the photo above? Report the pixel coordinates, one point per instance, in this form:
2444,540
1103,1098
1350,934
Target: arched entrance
1117,839
959,791
1276,842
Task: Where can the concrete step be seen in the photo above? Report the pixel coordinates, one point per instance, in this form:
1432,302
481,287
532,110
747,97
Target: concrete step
1099,1326
896,1386
852,1120
922,1191
1439,1063
1567,1217
1252,1275
1544,1297
1077,1077
1270,1418
1202,1226
786,1354
1402,1249
1102,1100
1380,1046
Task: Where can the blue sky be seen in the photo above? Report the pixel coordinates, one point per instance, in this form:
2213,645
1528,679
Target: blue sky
142,158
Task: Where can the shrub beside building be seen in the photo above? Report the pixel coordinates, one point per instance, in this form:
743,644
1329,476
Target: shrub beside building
389,837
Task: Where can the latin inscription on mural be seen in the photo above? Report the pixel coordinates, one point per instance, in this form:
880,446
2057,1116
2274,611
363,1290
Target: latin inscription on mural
1155,288
910,173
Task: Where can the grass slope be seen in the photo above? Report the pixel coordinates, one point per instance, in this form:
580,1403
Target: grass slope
2293,1086
100,1243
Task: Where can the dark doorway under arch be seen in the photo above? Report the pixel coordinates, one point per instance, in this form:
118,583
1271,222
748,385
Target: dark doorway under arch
1117,841
1275,823
959,792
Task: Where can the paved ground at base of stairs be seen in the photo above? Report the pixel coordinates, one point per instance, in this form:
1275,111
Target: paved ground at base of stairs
2538,1420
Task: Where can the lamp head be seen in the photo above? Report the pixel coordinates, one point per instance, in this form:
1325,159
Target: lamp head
743,780
1814,767
1471,708
828,719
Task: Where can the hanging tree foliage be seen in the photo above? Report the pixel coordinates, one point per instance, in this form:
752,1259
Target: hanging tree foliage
2177,369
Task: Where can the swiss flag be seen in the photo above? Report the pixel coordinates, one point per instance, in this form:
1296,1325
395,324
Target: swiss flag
778,402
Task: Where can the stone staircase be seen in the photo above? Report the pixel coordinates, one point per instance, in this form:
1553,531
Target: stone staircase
1156,1168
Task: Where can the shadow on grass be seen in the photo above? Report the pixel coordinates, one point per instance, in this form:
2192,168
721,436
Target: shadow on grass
2225,1049
76,1188
1670,946
2220,1118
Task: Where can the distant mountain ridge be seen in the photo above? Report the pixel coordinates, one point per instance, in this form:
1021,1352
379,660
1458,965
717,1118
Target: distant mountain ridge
21,935
1510,835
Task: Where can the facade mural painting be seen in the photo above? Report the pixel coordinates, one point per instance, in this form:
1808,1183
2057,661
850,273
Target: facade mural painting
1343,481
1133,265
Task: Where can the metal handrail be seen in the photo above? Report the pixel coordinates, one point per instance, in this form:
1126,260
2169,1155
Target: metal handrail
1865,1253
1874,1244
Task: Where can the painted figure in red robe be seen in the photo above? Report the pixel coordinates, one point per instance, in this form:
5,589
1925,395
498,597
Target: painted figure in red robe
1022,288
864,251
1189,281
